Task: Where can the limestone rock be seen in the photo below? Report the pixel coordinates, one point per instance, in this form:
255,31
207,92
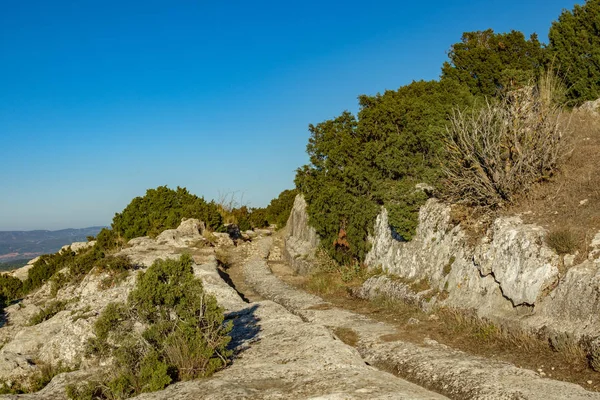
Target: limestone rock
592,107
301,239
77,246
188,231
595,246
509,276
518,259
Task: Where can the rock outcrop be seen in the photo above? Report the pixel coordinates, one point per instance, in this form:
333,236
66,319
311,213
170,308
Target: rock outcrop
592,107
63,337
510,275
301,239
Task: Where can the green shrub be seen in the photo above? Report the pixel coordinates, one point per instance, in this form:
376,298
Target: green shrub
241,217
184,336
58,281
49,311
163,208
11,288
45,267
258,218
490,64
108,239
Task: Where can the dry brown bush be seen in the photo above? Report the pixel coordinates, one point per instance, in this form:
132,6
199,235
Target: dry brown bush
500,150
571,199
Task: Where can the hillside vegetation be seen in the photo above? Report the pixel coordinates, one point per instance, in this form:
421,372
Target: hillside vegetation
161,208
493,127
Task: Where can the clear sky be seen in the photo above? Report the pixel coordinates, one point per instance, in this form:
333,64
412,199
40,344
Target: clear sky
101,100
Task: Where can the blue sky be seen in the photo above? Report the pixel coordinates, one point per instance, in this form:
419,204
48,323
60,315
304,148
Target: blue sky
101,100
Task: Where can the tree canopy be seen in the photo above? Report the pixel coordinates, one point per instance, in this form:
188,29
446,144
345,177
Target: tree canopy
490,63
358,164
575,50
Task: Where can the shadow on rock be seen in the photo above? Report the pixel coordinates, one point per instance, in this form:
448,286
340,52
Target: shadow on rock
245,329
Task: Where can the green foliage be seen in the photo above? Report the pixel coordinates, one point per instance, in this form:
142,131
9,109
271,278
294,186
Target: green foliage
278,210
258,218
491,63
184,337
49,311
358,165
37,381
45,267
241,217
14,264
75,266
575,50
163,208
11,288
108,239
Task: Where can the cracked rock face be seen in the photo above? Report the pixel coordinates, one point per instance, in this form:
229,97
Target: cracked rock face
301,239
517,258
510,275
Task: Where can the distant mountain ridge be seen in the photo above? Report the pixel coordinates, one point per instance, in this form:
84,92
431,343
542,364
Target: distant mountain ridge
29,244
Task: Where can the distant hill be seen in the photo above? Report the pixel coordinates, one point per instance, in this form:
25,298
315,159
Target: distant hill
15,245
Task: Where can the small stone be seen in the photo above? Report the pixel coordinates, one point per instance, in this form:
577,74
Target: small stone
589,382
583,202
413,321
552,368
434,317
542,374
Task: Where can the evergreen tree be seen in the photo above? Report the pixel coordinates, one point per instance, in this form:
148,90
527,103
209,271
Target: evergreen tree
358,164
575,50
490,63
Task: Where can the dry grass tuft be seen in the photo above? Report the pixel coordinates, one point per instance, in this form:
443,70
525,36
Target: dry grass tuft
563,241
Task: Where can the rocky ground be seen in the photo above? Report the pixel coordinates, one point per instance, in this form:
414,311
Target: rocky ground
288,343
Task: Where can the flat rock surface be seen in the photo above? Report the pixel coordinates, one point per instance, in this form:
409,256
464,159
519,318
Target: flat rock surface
433,365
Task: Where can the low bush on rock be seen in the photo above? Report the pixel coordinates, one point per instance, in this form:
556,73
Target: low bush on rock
10,289
49,311
42,377
169,330
563,241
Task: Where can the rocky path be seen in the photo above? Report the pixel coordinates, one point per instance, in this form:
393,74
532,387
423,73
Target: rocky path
432,365
277,354
281,356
